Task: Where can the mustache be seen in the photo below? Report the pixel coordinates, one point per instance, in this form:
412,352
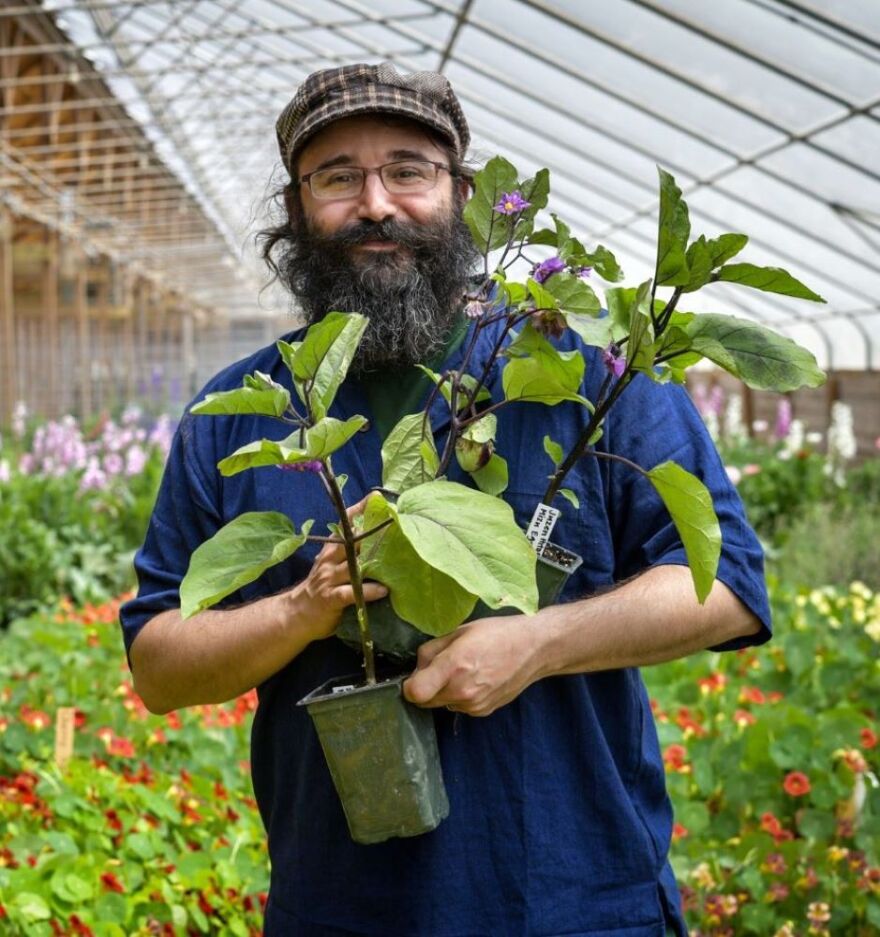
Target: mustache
387,230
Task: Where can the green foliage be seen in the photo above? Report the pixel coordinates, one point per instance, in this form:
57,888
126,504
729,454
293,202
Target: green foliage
409,456
246,399
689,504
489,229
772,757
122,838
237,554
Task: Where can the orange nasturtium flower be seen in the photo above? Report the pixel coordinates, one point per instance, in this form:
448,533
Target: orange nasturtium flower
796,783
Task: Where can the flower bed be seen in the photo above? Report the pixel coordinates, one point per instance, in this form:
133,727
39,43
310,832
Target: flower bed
772,762
151,827
772,757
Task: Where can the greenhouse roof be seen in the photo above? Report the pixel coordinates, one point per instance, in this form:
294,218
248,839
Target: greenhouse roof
766,111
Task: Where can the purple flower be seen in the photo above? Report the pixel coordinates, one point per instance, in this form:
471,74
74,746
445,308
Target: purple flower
614,361
583,272
313,466
511,203
783,419
474,309
544,270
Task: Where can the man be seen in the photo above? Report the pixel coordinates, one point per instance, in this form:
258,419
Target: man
559,822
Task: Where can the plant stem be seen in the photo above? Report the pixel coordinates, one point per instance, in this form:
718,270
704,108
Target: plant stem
315,538
333,489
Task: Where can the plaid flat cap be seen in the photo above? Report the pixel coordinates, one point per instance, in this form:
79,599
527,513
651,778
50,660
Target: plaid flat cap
333,93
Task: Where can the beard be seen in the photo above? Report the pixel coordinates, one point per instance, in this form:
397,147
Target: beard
412,295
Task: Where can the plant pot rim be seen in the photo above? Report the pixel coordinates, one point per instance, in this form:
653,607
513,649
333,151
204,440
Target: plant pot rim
350,685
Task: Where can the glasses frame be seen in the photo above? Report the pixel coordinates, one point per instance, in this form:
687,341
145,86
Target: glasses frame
307,178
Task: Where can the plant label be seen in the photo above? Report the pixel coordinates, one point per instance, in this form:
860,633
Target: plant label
64,722
541,526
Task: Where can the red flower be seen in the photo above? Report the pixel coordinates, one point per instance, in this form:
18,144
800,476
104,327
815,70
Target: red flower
111,882
121,746
679,832
796,784
868,737
113,820
751,694
770,824
675,758
715,682
79,928
742,717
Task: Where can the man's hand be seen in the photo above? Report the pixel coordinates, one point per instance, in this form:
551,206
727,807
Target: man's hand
320,598
479,667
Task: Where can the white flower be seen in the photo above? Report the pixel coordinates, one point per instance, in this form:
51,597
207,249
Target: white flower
734,430
760,426
5,471
733,473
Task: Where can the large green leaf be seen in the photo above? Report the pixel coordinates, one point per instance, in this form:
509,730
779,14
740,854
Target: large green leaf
690,506
420,594
640,345
603,262
488,228
725,246
768,279
573,295
403,459
756,355
316,442
598,333
236,555
673,231
324,356
247,400
700,265
539,372
473,538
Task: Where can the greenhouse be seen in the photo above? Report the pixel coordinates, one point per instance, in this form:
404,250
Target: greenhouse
569,198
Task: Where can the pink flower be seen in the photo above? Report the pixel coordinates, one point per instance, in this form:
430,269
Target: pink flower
613,360
511,203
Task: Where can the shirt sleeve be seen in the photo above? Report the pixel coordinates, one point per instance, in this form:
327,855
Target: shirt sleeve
185,515
653,423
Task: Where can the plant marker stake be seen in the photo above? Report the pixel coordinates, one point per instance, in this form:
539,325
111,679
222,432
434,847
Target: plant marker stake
64,724
541,527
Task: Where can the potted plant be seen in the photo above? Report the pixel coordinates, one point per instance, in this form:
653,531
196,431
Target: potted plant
638,331
442,547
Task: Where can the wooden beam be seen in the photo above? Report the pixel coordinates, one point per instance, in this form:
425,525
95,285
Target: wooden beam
83,338
7,319
50,331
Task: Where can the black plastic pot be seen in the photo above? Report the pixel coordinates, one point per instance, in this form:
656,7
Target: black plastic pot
399,641
383,757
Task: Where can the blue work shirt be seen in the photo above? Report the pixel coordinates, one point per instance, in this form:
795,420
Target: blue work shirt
559,818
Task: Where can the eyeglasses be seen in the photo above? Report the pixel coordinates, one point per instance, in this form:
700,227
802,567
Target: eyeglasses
403,177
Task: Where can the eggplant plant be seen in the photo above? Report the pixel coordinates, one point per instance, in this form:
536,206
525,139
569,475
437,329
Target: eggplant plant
440,546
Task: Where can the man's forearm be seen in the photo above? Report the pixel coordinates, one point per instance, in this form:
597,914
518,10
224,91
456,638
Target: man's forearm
652,618
215,655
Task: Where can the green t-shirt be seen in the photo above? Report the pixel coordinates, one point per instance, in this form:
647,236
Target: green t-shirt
393,393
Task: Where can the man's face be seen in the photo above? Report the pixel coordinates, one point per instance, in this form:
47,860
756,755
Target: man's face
369,142
402,260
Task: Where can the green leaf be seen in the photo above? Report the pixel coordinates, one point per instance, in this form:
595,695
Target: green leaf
465,381
757,356
726,246
473,538
690,506
236,555
571,497
324,356
32,907
429,453
768,279
488,228
541,373
541,295
403,460
572,295
420,594
699,264
640,346
112,908
819,825
554,450
492,478
619,300
603,262
598,333
673,231
246,400
321,440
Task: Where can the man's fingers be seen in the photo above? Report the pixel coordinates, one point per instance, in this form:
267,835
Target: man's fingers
426,684
430,649
374,590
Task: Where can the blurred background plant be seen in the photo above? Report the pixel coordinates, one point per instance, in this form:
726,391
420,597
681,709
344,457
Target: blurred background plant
74,504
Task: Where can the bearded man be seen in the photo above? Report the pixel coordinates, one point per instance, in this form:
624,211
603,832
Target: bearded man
559,818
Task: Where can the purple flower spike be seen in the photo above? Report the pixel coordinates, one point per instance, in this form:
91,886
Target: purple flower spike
511,203
614,362
544,270
314,466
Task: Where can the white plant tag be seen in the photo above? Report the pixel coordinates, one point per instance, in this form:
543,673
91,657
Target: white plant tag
541,526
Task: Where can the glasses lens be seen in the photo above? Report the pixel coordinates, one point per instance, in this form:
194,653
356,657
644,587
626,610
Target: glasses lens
412,175
343,182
